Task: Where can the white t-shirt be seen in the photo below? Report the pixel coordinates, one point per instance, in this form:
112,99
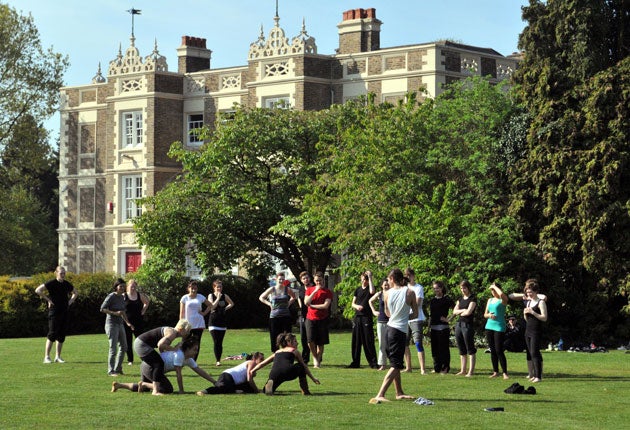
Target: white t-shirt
419,292
176,358
192,310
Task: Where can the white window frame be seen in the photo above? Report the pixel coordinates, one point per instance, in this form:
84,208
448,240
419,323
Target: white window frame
131,190
193,139
132,129
277,102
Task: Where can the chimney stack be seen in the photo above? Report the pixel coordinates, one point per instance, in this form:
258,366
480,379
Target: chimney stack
359,31
193,55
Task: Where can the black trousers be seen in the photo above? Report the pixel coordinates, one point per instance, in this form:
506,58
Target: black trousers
363,337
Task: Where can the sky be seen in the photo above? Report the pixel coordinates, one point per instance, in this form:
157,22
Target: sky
91,31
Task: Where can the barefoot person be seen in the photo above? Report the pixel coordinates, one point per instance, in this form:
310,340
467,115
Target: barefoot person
237,379
175,360
284,367
58,303
160,338
400,306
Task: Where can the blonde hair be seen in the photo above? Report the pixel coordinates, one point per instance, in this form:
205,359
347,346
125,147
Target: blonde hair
183,325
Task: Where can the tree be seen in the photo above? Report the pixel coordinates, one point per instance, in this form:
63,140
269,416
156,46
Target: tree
30,77
234,192
420,185
570,192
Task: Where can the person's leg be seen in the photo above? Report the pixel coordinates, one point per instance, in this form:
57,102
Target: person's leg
499,336
355,344
471,349
435,350
128,338
51,336
196,334
122,342
61,336
111,352
382,344
461,346
217,337
493,353
124,385
367,341
273,333
304,340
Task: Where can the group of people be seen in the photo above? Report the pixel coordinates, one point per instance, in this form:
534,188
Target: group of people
400,321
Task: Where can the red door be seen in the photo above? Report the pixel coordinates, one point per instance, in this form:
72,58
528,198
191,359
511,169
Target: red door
133,260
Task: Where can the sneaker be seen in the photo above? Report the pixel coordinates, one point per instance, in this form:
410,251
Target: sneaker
59,360
47,360
130,363
112,373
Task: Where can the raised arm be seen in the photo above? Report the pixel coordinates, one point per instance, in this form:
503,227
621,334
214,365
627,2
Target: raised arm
373,299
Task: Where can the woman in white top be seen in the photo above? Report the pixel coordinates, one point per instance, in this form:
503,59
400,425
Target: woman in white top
238,378
190,309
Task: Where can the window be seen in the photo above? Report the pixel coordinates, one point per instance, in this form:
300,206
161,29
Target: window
132,190
195,122
132,129
281,102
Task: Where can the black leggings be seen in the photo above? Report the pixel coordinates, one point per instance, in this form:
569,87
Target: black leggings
226,385
532,342
155,366
277,326
217,337
497,354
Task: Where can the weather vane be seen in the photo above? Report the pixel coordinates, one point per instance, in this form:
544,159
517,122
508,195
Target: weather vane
133,12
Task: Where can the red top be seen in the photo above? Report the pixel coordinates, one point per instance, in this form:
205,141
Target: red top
318,299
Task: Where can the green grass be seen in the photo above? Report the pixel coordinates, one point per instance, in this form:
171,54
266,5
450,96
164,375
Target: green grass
579,390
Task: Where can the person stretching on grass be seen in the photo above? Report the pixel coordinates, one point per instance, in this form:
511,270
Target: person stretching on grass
237,379
175,360
400,306
284,369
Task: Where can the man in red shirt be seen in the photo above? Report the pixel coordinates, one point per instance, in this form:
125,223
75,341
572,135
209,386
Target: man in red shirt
318,299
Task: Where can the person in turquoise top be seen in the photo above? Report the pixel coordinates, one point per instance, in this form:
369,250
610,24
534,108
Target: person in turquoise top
495,329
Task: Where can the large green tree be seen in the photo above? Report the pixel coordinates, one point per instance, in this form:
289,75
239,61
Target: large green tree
421,185
234,192
571,190
30,76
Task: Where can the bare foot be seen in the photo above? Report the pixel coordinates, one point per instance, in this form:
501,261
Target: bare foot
407,370
423,372
378,400
505,376
460,373
114,386
201,393
468,375
381,368
494,375
157,393
404,397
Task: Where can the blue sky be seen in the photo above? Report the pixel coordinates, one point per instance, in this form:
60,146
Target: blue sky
90,31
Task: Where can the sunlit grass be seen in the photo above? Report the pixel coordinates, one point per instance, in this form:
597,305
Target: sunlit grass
579,390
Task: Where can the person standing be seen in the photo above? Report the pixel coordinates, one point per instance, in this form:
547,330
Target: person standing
464,329
190,308
381,324
362,325
495,329
58,303
279,298
535,313
136,305
114,307
439,307
220,303
306,282
400,305
318,298
416,325
521,334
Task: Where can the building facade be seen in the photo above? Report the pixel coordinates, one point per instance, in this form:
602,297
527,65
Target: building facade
117,130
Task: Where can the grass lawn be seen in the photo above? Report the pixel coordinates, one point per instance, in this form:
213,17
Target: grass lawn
579,390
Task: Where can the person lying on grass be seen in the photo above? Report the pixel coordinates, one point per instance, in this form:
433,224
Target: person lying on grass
237,379
173,360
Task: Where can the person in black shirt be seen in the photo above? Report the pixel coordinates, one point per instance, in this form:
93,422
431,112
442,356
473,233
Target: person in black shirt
58,303
362,325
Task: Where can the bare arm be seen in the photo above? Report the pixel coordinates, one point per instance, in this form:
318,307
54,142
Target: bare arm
411,301
199,371
182,311
264,297
262,364
230,303
145,303
180,380
299,358
165,343
373,299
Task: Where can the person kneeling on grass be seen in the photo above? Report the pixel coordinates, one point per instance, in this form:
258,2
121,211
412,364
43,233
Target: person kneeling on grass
173,360
237,379
284,368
